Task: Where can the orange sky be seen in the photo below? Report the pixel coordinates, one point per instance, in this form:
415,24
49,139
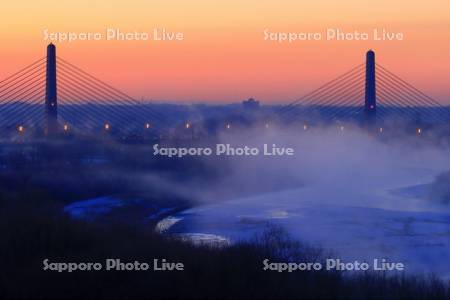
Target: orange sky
223,56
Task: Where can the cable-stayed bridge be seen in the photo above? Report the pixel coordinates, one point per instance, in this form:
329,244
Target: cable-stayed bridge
368,93
53,96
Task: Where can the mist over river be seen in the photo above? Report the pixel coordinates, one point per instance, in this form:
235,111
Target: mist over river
361,199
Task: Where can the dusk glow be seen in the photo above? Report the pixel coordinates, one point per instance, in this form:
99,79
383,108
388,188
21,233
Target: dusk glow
225,149
223,56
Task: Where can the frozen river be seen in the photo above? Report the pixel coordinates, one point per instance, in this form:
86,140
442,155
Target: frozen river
392,221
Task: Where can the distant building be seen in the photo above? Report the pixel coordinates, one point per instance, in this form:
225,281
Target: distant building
250,104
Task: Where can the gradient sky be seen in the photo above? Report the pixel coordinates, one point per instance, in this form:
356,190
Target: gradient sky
223,57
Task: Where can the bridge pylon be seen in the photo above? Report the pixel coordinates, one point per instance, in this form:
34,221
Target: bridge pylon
51,98
370,105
